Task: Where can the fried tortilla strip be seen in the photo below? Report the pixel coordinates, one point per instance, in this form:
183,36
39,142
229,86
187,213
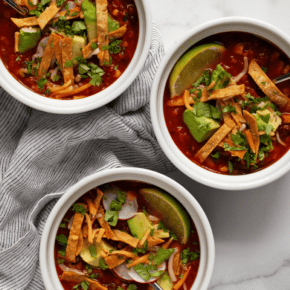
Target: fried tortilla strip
102,31
266,85
67,57
182,280
104,224
237,116
47,56
286,118
153,241
23,22
75,91
215,139
16,36
237,153
167,244
80,243
91,206
125,254
186,99
227,93
141,243
98,198
100,235
178,101
48,14
72,14
118,33
250,140
76,278
140,260
204,95
252,122
176,263
60,88
124,237
88,49
90,229
72,243
116,260
67,90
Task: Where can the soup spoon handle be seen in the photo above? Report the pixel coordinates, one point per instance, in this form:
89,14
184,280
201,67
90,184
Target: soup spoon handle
281,78
16,7
156,286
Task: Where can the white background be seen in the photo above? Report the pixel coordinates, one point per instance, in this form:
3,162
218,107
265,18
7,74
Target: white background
251,228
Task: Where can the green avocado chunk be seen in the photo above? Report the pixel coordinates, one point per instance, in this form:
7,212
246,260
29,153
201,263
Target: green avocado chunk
28,38
79,43
201,128
86,253
89,10
139,225
165,281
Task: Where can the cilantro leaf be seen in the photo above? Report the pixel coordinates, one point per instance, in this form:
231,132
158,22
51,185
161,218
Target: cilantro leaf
93,251
142,271
231,167
111,217
162,255
103,264
161,226
132,287
79,207
216,155
186,255
62,239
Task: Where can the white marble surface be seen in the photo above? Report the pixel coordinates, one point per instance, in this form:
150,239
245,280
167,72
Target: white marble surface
251,228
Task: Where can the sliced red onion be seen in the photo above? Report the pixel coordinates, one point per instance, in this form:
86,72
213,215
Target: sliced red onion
95,52
122,272
129,209
153,218
66,268
279,139
138,279
244,126
40,48
184,286
244,71
78,78
54,73
70,222
170,266
71,5
153,249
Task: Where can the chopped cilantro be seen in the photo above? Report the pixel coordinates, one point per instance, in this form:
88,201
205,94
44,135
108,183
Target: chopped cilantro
216,155
121,196
62,225
231,167
68,63
132,287
103,264
264,69
173,235
161,226
94,46
62,252
61,239
229,108
17,58
151,232
60,261
93,251
85,285
59,2
162,255
116,67
55,78
186,255
93,275
111,217
142,271
114,46
125,17
115,205
41,83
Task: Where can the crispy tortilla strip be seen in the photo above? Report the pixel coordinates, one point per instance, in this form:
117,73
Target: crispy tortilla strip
250,140
118,33
178,101
167,244
57,50
16,45
47,56
116,260
103,254
67,90
48,14
176,263
104,224
227,93
264,132
23,22
100,235
72,244
215,139
186,98
90,229
87,50
182,280
237,153
153,241
141,243
286,118
98,198
102,31
266,85
140,260
76,278
252,122
125,254
67,57
73,13
124,237
60,88
238,117
204,95
75,91
91,206
80,243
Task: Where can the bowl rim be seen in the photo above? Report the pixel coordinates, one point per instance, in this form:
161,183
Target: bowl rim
20,92
207,246
192,170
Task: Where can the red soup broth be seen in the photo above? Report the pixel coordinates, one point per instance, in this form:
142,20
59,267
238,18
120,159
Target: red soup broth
126,14
106,277
267,55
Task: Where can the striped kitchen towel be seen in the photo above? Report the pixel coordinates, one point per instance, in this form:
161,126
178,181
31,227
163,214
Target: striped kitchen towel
42,155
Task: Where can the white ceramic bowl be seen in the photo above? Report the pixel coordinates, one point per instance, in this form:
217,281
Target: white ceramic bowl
207,249
36,101
188,167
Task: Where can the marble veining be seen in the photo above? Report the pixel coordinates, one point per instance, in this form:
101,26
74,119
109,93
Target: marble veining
251,228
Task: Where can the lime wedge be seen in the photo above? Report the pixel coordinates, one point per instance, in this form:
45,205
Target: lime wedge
170,210
191,66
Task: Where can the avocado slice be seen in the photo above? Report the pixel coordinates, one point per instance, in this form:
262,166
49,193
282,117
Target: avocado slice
89,10
86,255
139,225
28,38
79,43
274,120
165,281
201,128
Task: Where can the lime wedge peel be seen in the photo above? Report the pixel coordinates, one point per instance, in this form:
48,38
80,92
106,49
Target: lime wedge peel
174,216
191,66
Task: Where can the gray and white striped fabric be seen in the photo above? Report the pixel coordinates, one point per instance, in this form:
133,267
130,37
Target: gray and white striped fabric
42,155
